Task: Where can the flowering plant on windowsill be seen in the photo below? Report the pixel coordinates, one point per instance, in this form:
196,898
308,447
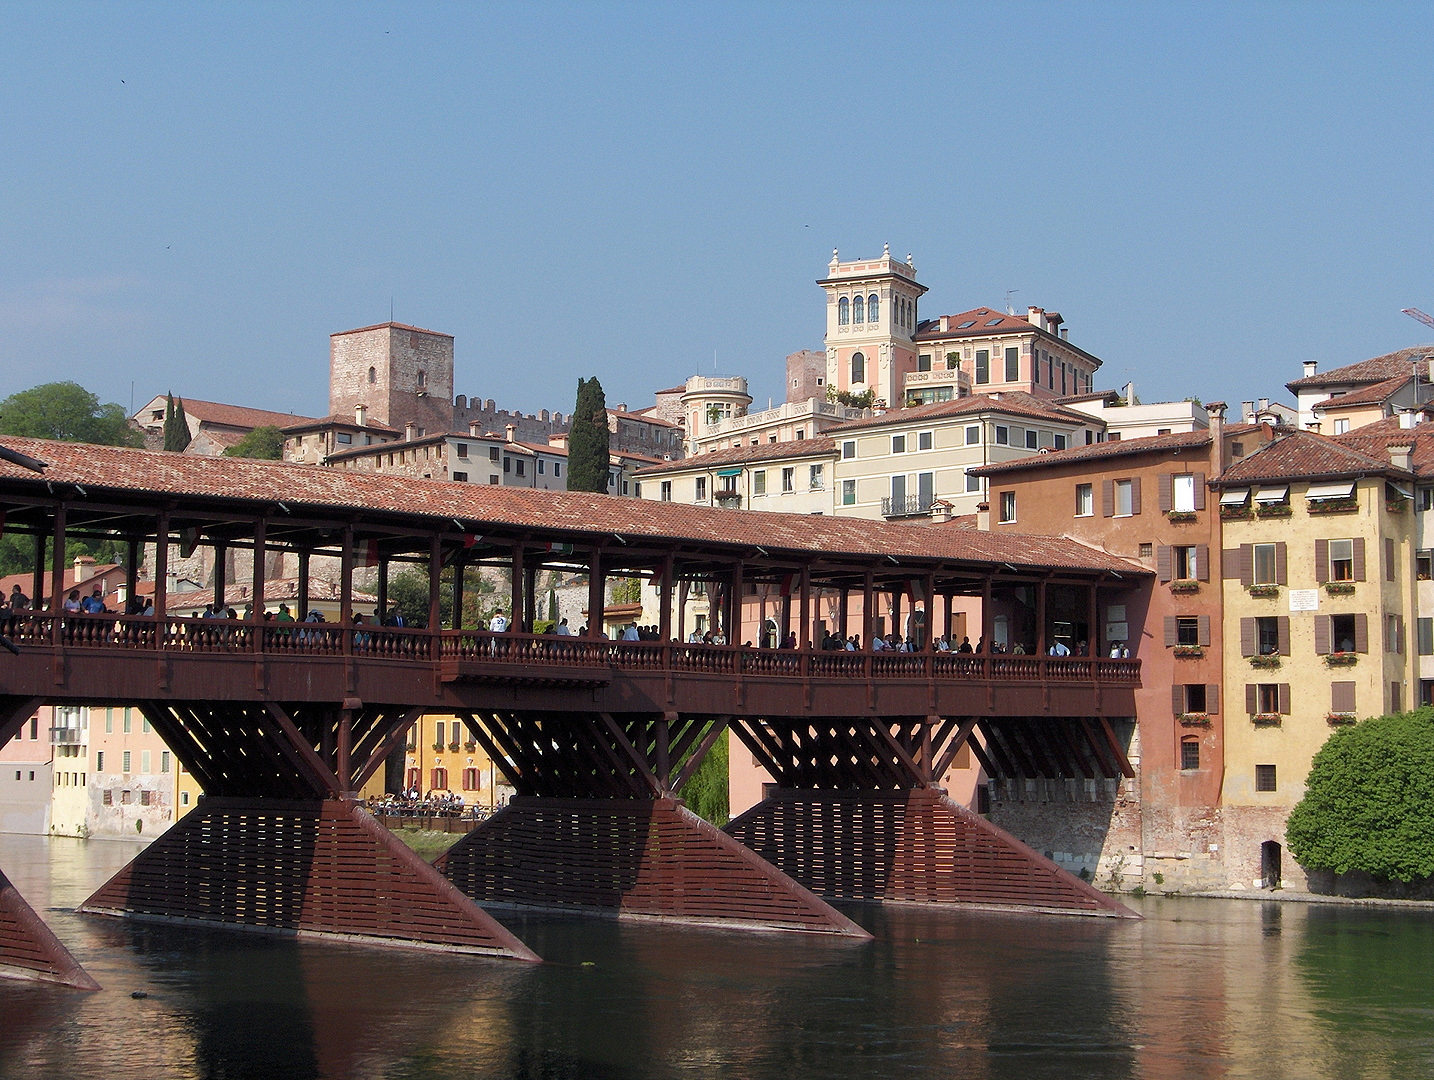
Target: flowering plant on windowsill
1268,661
1189,651
1269,718
1274,510
1184,585
1178,516
1194,719
438,746
1235,513
1264,592
1339,588
1395,507
1341,719
1334,506
1341,659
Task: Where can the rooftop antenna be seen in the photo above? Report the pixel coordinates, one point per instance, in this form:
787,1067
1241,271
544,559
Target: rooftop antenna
1427,320
390,309
1010,293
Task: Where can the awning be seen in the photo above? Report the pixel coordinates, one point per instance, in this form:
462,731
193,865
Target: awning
1272,494
1403,491
729,472
1238,497
1342,490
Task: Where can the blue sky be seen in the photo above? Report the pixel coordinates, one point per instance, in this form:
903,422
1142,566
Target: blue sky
195,197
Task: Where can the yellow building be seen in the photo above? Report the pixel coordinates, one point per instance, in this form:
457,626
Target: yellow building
443,759
1319,599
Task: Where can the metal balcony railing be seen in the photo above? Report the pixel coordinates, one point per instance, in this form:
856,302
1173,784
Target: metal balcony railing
910,506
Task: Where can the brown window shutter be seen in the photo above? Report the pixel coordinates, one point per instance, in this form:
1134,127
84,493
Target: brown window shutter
1177,699
1230,563
1252,698
1107,498
1135,495
1283,627
1321,629
1282,564
1389,558
1199,491
1284,697
1247,637
1172,632
1359,558
1202,562
1167,500
1361,632
1203,622
1163,560
1341,697
1212,698
1247,564
1321,561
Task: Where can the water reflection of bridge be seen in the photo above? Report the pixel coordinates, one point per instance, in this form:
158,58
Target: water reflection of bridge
281,723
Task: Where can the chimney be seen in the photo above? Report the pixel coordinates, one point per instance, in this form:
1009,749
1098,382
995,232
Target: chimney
1400,455
474,428
945,323
512,430
1264,404
361,415
1311,366
1128,392
1037,317
940,512
1065,334
983,516
622,406
1216,412
410,431
84,568
1409,418
1247,412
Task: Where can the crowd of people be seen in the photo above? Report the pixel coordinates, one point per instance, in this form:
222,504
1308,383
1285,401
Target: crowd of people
414,803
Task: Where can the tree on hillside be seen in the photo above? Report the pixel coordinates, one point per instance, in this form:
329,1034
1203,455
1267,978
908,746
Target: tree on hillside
263,442
176,425
1369,801
588,439
68,412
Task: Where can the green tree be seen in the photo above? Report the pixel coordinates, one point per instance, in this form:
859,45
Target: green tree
176,426
409,591
588,435
627,591
263,442
706,793
1369,800
852,400
68,412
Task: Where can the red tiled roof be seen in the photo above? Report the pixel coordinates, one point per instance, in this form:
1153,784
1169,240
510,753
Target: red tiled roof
736,455
1376,439
276,590
1374,394
26,581
1150,444
674,390
1374,370
393,326
1305,455
575,515
341,420
1010,402
930,329
216,412
640,418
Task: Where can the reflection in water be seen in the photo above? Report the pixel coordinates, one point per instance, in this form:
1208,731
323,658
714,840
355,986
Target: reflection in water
1199,989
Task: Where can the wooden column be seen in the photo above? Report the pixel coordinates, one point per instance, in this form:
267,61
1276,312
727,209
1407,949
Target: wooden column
382,588
987,622
346,581
804,636
664,614
518,586
734,628
596,589
762,616
303,605
682,612
946,624
1041,646
868,616
57,565
842,605
664,762
930,613
256,590
896,627
786,627
530,597
37,581
435,586
1092,637
459,562
345,748
220,583
161,572
131,572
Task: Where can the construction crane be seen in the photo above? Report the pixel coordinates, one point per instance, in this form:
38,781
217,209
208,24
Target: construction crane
1415,313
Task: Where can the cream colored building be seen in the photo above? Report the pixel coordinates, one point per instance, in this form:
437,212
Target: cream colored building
788,477
871,325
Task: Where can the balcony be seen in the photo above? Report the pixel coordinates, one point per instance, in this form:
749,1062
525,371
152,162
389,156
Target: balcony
66,736
910,506
732,500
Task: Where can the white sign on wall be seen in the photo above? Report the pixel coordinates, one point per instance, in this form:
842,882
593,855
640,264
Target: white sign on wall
1304,599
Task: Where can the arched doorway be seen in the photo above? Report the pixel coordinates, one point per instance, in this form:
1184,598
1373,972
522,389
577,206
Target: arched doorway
1270,864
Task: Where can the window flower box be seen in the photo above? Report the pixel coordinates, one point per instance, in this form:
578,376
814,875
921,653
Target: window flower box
1339,588
1341,659
453,747
1275,510
1189,652
1395,507
1235,513
1265,661
1334,506
1179,516
1264,592
1268,719
470,746
1194,719
1183,586
438,746
1341,719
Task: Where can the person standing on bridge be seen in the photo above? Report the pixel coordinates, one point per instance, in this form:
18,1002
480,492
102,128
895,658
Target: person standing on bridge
498,624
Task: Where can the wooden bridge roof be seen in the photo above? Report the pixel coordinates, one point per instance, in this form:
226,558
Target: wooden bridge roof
205,487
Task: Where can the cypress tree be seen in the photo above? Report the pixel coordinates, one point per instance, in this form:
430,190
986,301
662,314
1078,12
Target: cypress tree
588,439
176,426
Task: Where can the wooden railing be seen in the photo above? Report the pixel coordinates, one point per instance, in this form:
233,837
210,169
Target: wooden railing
128,633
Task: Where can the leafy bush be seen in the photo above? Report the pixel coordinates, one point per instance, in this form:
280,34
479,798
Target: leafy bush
706,793
1369,800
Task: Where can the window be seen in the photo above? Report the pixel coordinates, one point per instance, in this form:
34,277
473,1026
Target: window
1124,498
125,760
1341,560
1265,778
1426,637
973,482
1033,439
665,491
557,469
843,311
873,308
1265,572
1187,630
759,482
1013,364
848,450
1008,506
1189,753
1193,698
108,798
848,492
1085,500
858,368
817,480
541,466
1343,633
125,727
1060,442
183,798
924,440
857,309
372,375
1341,426
898,444
923,362
1182,493
1426,498
507,464
1267,698
470,780
701,488
460,478
345,438
438,779
492,478
100,760
1267,635
789,479
1063,377
973,435
1424,565
492,453
983,365
1393,627
519,465
1003,435
109,721
1185,564
461,449
164,761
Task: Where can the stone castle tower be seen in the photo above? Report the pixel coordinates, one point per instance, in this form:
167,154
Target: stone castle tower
397,374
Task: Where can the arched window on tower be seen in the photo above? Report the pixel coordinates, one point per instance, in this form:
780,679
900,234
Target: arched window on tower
422,382
856,310
843,314
372,374
858,368
873,308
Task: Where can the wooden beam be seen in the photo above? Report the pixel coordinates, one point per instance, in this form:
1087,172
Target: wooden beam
639,761
315,764
963,734
694,762
374,759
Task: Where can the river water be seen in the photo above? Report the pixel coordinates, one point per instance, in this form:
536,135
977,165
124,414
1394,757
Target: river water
1200,988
